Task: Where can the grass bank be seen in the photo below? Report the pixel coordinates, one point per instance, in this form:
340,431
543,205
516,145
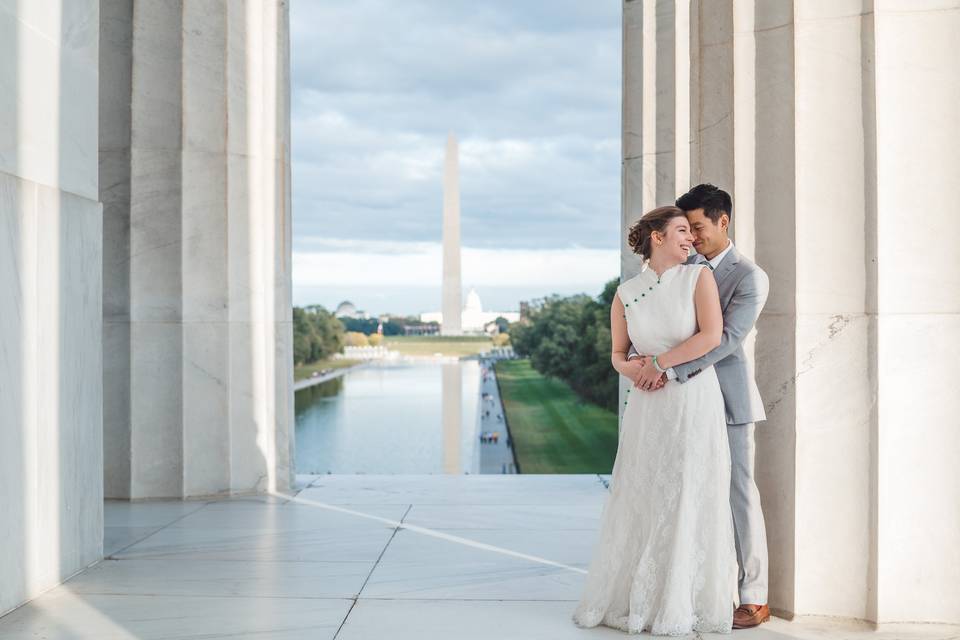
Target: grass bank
553,430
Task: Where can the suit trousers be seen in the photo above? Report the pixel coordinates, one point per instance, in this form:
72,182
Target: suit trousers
748,524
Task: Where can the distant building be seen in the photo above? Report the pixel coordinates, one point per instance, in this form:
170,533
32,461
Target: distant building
524,309
421,329
473,319
346,309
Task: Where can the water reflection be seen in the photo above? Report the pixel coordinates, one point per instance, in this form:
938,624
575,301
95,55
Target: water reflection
452,401
397,417
306,397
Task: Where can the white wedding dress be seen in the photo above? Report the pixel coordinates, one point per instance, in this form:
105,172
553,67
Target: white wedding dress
665,561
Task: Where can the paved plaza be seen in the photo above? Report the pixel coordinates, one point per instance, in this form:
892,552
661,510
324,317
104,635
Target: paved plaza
356,558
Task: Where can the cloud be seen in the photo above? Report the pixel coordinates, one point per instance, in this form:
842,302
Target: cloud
531,89
418,264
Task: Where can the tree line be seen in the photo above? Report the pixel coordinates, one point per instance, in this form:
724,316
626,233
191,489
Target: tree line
317,334
569,338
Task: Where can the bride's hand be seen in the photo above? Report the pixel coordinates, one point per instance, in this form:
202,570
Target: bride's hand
648,376
632,369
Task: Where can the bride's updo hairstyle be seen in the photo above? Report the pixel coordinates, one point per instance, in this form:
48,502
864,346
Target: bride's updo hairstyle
639,238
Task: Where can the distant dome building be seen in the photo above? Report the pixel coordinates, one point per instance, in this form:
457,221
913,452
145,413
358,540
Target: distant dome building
473,318
346,309
473,304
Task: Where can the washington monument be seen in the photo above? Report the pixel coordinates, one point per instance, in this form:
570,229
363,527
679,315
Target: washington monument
451,305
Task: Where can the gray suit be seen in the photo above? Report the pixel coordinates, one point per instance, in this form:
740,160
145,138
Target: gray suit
743,288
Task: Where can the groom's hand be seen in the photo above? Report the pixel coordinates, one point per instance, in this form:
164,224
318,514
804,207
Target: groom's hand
661,381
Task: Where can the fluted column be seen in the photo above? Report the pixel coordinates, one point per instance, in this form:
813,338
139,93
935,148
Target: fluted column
711,94
650,120
197,337
834,126
918,311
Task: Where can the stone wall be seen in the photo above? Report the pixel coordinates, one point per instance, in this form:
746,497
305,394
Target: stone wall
834,126
51,488
152,333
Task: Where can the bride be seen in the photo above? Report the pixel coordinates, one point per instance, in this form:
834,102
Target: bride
665,561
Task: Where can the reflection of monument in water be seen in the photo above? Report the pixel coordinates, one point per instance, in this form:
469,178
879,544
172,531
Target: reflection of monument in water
455,319
451,415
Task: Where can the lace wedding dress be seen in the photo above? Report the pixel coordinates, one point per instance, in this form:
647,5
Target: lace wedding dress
665,561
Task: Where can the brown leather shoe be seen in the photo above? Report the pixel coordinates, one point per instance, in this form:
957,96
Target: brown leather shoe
750,615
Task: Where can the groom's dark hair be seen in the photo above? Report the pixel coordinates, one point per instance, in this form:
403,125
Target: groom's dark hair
713,200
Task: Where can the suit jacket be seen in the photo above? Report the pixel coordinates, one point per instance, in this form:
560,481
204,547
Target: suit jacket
743,288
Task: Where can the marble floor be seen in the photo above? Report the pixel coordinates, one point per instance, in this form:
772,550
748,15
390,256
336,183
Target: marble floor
357,558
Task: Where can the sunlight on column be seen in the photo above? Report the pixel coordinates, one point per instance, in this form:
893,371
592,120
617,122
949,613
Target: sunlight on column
256,212
265,213
267,240
430,532
29,381
41,308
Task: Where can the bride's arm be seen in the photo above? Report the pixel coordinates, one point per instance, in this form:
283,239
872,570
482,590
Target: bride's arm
709,319
620,340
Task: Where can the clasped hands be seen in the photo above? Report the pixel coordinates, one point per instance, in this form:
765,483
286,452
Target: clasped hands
645,374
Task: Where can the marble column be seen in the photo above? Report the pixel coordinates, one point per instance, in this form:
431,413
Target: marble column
195,181
772,31
51,490
917,307
650,143
822,401
834,125
710,95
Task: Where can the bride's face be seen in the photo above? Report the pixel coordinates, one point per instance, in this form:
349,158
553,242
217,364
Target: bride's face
677,240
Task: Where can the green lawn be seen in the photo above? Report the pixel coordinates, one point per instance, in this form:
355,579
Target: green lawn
446,345
304,371
553,430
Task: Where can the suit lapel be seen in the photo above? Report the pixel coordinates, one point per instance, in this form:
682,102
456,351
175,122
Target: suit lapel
727,265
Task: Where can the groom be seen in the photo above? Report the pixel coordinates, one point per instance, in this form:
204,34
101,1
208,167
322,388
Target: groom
743,290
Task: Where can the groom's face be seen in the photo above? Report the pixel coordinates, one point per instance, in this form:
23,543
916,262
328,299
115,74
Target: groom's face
709,237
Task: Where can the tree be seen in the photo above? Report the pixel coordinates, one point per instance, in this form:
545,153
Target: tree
357,339
360,325
569,338
317,334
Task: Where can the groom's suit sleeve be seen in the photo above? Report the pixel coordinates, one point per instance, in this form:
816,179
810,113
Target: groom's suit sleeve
738,319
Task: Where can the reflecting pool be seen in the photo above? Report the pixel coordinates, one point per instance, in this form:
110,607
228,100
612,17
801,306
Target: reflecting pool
392,417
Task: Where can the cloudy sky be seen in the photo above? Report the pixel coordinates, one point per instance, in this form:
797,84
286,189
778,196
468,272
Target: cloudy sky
531,88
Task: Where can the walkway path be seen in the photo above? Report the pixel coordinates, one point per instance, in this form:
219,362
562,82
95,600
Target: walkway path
495,457
330,375
358,558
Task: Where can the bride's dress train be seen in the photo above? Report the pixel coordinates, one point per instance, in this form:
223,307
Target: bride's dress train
665,561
